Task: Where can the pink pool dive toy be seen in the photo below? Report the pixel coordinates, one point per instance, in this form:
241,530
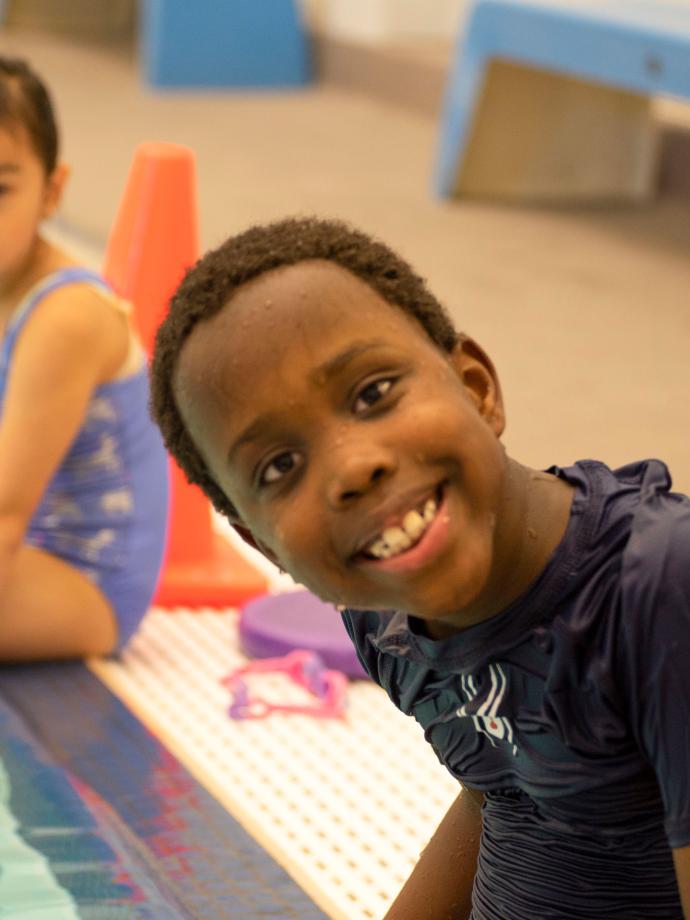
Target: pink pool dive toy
304,668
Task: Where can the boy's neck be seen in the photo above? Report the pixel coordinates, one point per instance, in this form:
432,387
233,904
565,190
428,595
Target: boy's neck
542,510
534,516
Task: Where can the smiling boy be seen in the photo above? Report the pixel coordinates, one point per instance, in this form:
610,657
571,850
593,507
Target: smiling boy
310,383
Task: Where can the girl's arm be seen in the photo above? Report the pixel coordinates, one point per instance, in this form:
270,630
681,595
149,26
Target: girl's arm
681,859
68,346
440,886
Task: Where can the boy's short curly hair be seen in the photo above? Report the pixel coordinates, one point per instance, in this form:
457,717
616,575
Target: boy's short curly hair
209,285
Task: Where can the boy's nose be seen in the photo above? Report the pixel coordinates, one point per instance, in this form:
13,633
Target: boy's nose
356,472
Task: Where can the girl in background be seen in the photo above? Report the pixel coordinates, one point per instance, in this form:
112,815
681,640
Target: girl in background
83,472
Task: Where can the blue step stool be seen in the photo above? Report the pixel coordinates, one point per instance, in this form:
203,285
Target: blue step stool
550,100
223,43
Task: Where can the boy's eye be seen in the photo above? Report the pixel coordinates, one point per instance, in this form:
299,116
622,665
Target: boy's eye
370,394
278,467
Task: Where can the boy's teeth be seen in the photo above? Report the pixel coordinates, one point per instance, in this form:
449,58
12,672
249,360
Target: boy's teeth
379,549
414,524
394,540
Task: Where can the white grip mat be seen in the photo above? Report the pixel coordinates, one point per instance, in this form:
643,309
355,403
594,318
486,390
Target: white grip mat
345,806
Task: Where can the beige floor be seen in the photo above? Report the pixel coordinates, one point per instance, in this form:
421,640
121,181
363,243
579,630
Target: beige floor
586,313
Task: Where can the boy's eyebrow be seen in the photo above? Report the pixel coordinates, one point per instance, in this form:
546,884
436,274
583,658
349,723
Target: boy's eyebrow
9,167
338,362
249,434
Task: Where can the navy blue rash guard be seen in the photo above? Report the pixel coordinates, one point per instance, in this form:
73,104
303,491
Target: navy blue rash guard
570,709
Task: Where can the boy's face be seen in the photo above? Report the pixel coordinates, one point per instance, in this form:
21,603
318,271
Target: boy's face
362,458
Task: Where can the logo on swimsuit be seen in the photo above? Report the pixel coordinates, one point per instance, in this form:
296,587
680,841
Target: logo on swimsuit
483,709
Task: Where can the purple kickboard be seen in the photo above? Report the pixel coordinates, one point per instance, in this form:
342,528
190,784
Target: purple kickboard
274,625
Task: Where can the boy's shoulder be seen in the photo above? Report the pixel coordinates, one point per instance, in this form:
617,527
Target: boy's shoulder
655,570
644,559
633,505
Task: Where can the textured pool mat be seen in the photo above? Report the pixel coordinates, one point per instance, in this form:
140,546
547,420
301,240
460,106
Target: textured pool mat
345,805
99,820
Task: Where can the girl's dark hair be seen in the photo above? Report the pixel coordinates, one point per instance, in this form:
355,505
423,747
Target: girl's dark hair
210,284
25,100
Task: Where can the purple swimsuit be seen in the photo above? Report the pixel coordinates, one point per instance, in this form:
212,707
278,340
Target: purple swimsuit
105,509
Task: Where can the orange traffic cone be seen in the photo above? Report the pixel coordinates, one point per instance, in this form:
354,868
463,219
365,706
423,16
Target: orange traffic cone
153,241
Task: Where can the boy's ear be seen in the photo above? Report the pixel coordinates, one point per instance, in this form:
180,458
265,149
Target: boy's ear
55,186
479,377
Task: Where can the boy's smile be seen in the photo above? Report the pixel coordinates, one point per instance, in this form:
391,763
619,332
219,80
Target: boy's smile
362,457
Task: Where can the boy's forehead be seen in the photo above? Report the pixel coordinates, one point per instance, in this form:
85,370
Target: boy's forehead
291,286
308,294
310,307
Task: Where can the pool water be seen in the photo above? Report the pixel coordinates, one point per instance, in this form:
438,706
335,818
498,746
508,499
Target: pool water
28,886
63,854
